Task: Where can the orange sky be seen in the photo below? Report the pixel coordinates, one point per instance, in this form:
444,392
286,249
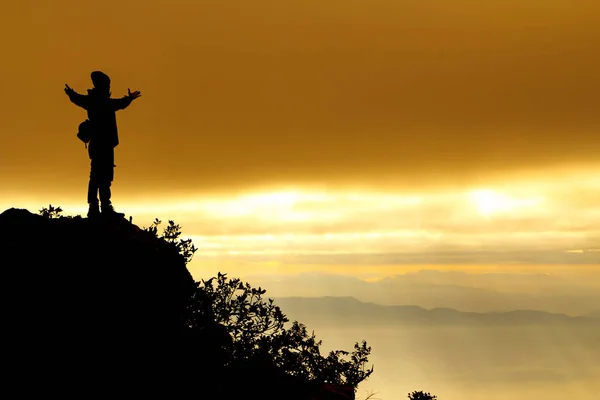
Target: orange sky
428,99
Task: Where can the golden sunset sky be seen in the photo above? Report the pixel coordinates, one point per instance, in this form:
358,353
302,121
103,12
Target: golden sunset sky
347,136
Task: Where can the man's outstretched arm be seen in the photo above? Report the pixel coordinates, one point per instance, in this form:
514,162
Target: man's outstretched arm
76,98
125,101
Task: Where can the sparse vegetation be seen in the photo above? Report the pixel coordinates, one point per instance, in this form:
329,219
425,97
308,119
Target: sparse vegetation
50,212
258,329
171,234
257,326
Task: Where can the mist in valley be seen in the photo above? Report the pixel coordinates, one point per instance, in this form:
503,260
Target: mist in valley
469,363
457,335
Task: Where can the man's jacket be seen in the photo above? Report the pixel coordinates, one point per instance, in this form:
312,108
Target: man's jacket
101,111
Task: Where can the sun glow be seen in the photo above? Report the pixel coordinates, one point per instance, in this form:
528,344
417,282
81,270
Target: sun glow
275,206
490,202
523,220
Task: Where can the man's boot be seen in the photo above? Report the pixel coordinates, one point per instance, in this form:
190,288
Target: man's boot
109,211
94,210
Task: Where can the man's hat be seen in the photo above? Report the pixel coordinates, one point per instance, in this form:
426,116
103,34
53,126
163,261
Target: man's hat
100,79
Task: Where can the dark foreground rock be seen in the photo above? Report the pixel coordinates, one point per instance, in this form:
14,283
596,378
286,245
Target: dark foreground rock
90,301
89,278
95,308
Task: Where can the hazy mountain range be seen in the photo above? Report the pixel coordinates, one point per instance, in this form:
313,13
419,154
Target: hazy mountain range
595,314
348,310
461,291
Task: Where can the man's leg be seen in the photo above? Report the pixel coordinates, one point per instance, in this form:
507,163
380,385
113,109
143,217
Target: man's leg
104,187
105,194
105,203
108,171
92,196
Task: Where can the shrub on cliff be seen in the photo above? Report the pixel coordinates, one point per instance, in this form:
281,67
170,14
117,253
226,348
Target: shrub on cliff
239,324
420,395
258,328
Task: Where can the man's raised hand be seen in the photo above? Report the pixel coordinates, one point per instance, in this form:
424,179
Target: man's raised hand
68,90
133,95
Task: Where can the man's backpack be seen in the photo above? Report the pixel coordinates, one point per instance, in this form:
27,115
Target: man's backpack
86,132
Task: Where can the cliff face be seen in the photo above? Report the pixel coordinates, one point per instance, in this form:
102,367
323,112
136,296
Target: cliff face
90,306
95,306
82,277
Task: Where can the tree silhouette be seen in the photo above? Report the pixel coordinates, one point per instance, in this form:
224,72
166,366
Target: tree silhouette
50,212
420,395
171,234
258,332
239,327
256,327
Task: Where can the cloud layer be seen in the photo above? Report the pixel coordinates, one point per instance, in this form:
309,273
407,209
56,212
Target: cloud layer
385,94
552,222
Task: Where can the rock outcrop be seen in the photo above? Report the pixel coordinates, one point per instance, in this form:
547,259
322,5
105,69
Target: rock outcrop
94,307
87,278
93,301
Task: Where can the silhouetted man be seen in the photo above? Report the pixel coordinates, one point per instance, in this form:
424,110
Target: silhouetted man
101,111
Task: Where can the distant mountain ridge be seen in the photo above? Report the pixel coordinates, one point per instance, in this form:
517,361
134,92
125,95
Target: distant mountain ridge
593,314
458,290
348,309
